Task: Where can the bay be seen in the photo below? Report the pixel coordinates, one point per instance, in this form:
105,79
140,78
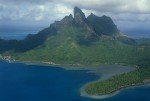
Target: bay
21,82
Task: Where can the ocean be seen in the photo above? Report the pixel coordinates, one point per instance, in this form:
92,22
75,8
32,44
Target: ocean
19,35
137,33
21,82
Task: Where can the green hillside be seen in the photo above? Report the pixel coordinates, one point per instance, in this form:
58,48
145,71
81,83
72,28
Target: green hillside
87,41
138,77
84,41
66,48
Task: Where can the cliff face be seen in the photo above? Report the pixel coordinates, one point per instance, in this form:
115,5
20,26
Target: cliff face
98,25
102,25
79,17
90,29
74,40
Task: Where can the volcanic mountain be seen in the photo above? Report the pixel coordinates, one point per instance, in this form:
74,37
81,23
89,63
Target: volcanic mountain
73,40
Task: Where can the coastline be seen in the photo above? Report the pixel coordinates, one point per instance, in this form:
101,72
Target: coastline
83,93
91,68
66,66
111,94
41,63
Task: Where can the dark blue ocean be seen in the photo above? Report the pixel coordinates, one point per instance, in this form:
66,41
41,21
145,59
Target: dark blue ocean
20,82
21,34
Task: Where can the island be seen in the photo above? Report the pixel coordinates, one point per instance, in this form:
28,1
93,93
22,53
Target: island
85,41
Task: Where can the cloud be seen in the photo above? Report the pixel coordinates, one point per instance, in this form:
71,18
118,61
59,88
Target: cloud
46,11
119,6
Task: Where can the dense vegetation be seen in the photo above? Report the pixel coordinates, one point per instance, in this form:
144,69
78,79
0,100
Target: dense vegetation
84,41
140,76
65,48
77,40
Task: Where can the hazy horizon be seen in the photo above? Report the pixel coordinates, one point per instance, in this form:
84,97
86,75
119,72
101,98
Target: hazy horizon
129,16
133,33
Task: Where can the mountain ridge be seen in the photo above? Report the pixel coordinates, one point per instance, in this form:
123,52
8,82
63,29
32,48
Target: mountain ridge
73,40
81,41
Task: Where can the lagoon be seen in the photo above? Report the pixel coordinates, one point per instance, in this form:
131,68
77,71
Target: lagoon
21,82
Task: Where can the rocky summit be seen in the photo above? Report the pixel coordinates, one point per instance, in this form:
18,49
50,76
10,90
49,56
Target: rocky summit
79,17
73,40
97,25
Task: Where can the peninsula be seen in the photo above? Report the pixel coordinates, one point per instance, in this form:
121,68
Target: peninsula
82,41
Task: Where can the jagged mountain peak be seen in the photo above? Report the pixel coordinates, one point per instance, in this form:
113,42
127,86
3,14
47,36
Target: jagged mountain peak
66,21
99,25
91,15
79,17
67,40
102,25
78,11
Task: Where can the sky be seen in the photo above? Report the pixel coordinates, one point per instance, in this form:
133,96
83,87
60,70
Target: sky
127,14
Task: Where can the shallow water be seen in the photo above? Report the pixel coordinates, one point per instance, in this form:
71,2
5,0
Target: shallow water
19,35
20,82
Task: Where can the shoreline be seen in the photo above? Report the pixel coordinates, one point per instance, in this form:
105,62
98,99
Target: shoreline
66,66
83,93
49,63
90,68
111,94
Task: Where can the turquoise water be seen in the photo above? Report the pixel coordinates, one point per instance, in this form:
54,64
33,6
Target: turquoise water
20,82
15,34
22,34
